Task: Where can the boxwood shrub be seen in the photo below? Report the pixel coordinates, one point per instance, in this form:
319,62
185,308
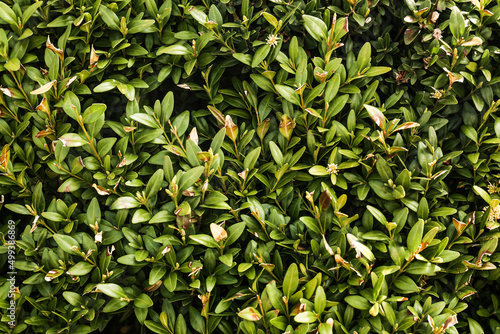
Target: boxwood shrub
256,167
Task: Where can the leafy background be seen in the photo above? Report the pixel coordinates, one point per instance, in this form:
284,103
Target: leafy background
252,167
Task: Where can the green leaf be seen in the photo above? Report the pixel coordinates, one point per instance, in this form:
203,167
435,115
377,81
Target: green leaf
423,209
475,327
251,158
311,224
422,268
73,298
18,209
13,64
318,171
181,122
109,17
443,212
315,27
457,23
205,240
28,12
244,58
406,285
140,26
377,214
111,289
145,119
198,15
124,203
176,49
67,243
470,132
190,177
383,169
415,236
234,232
72,140
275,297
54,216
306,317
154,184
289,94
260,55
157,274
484,195
143,301
250,314
319,300
156,327
93,113
358,302
276,153
377,70
291,281
196,320
69,185
7,14
180,325
80,269
364,56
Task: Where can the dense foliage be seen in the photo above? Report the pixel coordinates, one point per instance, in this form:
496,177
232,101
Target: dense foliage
250,167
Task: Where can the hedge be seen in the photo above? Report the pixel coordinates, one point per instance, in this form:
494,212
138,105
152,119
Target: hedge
274,166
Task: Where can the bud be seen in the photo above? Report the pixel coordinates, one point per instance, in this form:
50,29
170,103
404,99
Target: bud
437,34
434,17
218,232
193,135
309,196
243,174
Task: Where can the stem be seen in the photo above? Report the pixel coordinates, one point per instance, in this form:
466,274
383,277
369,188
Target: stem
47,226
21,89
236,148
91,142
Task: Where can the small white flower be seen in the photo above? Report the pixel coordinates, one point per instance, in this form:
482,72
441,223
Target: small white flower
98,237
272,40
332,169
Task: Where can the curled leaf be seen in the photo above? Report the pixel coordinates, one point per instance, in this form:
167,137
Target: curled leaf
45,88
5,157
377,115
474,41
231,128
94,58
52,48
